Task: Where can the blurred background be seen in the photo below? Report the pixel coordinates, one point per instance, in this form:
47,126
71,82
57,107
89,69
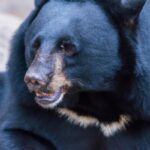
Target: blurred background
12,13
19,8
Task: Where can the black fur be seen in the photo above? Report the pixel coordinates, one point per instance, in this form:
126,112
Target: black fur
2,85
111,63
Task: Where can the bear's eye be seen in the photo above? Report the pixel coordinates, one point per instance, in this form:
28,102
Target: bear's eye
68,48
36,44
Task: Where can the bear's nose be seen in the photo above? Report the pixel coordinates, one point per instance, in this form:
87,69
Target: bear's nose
34,82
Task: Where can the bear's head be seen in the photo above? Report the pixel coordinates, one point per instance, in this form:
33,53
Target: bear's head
70,46
75,47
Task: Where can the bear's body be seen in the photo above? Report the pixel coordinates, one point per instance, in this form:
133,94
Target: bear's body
95,59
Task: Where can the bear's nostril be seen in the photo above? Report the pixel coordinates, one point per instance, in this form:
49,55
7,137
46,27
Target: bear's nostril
32,81
26,79
40,82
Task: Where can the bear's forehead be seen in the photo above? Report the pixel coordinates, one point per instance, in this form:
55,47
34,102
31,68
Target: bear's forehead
57,15
72,9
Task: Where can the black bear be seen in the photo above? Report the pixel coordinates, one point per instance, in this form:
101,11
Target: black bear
79,78
2,84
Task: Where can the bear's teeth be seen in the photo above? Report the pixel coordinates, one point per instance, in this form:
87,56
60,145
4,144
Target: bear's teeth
44,94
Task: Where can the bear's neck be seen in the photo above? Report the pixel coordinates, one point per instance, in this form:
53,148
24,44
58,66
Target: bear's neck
140,91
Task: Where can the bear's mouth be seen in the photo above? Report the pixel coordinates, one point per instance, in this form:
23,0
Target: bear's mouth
50,99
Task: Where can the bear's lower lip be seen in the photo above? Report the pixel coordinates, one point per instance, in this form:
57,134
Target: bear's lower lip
47,100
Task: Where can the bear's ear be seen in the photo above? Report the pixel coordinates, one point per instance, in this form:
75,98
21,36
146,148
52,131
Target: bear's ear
39,3
126,11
